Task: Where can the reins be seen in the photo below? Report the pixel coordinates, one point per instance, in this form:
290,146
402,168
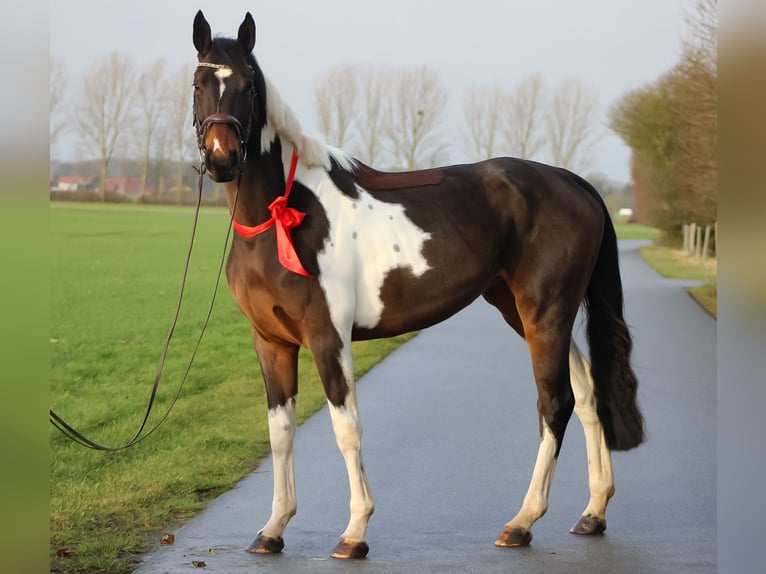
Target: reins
283,218
71,433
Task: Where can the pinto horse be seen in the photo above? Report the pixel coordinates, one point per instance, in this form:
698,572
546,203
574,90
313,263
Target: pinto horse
328,250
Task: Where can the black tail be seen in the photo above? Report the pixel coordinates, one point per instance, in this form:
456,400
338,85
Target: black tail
610,347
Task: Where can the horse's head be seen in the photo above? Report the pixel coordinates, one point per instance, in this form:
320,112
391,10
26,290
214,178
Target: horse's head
229,94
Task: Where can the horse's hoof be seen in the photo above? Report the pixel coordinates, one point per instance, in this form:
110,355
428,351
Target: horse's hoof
589,525
266,545
347,550
514,537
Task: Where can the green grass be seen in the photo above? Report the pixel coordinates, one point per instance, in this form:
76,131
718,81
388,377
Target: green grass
636,231
676,264
115,272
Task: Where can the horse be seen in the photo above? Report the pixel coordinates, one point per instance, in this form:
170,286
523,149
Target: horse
328,250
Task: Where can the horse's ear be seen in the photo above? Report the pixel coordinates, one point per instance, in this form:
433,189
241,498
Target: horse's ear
246,34
201,36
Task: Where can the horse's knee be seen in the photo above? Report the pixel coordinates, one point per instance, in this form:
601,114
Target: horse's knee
347,428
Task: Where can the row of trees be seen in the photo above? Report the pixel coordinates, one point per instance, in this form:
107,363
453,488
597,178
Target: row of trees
144,115
389,117
395,117
671,128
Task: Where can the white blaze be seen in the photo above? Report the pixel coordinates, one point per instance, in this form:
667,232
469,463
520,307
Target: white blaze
222,74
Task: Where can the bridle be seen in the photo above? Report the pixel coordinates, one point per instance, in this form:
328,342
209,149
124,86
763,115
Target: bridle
244,132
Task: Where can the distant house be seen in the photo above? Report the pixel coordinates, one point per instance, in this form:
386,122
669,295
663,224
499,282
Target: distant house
65,183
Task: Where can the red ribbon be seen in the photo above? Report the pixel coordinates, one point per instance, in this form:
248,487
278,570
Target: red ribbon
285,218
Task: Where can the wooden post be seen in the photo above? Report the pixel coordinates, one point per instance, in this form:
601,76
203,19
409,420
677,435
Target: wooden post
692,235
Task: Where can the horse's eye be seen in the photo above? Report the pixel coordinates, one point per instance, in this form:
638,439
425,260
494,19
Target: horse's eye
197,88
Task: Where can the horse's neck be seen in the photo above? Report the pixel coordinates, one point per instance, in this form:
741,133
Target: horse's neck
254,191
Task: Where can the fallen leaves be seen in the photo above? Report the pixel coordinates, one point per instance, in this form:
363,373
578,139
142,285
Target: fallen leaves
169,538
65,553
198,563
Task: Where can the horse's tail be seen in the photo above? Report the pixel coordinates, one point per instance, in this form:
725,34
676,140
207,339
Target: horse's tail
610,347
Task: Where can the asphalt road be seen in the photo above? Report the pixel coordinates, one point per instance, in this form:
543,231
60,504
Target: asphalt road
450,438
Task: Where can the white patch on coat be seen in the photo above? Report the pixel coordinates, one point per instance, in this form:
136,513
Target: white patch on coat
367,239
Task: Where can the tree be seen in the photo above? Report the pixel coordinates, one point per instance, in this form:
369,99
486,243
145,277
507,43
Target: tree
372,87
103,112
149,107
642,118
483,113
572,124
334,98
57,85
182,139
413,118
671,128
523,117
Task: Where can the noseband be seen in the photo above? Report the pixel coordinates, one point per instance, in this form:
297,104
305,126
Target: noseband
203,127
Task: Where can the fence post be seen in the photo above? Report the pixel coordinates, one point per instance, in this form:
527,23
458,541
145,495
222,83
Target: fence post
707,241
692,237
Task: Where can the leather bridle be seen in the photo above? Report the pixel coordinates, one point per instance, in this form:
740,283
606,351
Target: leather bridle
244,132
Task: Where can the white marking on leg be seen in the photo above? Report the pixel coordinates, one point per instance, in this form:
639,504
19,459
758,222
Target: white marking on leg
536,500
348,434
281,435
600,474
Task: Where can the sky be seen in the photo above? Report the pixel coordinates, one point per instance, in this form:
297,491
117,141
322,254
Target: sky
613,45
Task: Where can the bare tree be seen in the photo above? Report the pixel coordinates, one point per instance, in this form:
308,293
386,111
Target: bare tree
483,112
373,84
413,118
523,117
57,85
179,116
104,109
334,98
149,106
572,125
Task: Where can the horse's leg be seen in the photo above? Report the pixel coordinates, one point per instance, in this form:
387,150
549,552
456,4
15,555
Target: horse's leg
279,362
335,364
549,347
600,476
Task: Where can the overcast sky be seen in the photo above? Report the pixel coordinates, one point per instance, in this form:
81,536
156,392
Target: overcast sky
614,45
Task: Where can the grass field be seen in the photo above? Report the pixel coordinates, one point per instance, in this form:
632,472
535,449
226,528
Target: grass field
115,272
636,231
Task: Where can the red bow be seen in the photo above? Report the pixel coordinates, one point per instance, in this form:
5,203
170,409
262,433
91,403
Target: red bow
285,218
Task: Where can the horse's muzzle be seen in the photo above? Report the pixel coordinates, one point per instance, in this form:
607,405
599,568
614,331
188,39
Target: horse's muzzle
222,146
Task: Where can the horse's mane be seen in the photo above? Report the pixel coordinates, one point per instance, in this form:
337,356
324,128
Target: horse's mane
313,151
280,119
